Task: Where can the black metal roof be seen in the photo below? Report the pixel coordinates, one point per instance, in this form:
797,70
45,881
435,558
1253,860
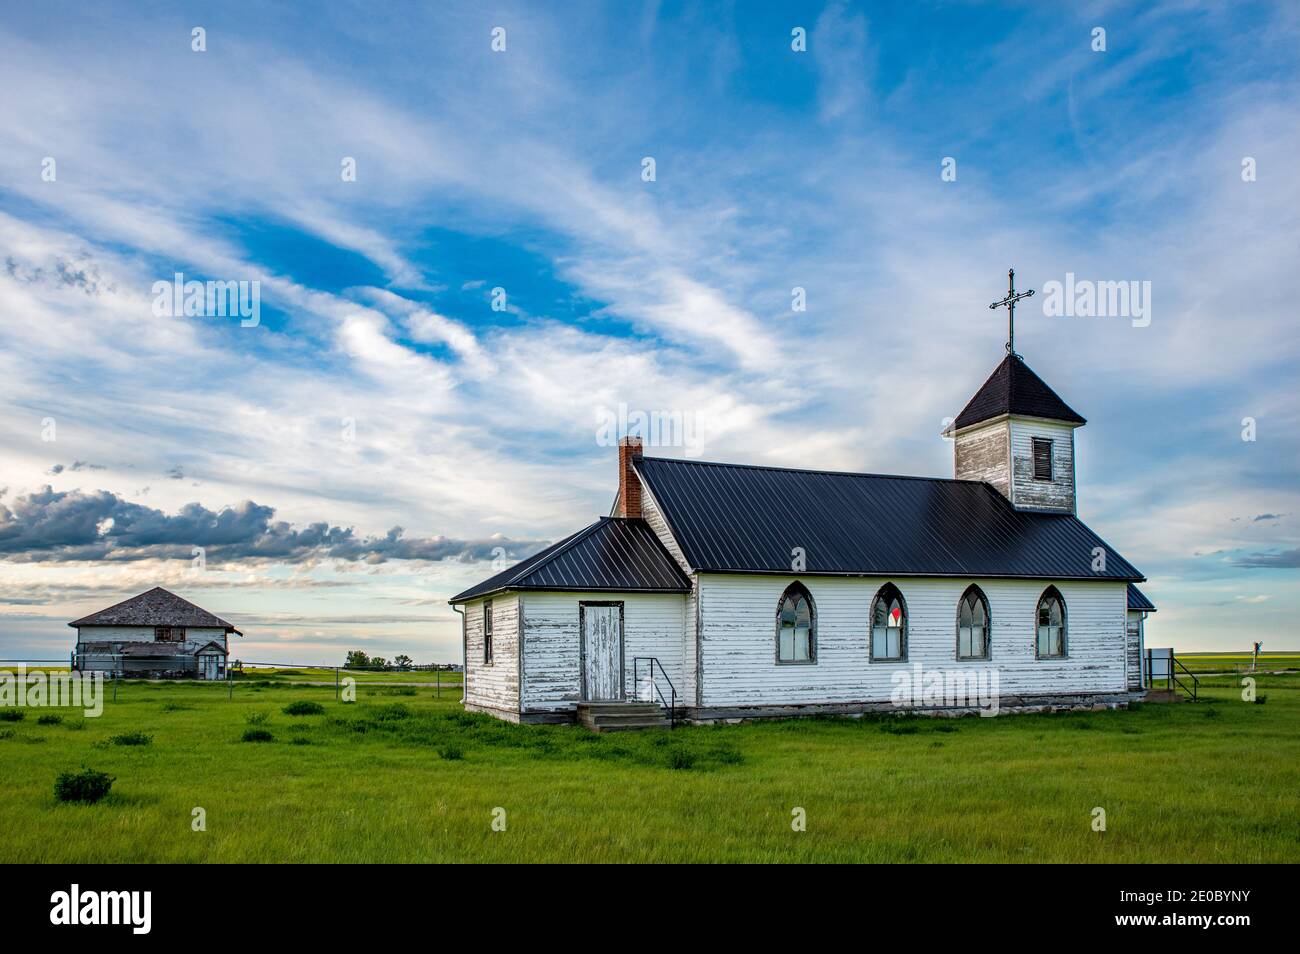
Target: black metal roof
1013,388
614,553
1137,600
156,607
740,518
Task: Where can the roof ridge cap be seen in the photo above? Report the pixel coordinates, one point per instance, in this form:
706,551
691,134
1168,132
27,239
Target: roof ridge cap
810,470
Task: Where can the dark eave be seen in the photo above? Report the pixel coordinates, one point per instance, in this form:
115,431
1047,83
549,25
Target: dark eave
614,554
1139,601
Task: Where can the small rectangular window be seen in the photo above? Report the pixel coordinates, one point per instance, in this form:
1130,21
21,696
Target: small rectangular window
1042,458
487,632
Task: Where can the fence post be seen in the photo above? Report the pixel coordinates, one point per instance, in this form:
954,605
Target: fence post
336,683
437,675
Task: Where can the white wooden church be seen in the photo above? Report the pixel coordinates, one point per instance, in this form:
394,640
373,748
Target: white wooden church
725,591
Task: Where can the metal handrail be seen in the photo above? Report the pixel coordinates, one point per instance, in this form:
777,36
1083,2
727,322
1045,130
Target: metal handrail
1196,683
1170,676
671,702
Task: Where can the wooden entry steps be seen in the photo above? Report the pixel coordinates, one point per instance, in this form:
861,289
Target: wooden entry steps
618,716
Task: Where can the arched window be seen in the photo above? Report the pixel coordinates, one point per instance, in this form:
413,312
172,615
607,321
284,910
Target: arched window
1051,624
888,625
796,619
973,625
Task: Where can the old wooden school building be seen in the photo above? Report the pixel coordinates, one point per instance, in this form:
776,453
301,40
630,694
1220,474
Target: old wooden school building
736,591
155,634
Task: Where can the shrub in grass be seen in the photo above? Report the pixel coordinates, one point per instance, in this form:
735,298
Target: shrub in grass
86,786
393,713
256,735
49,718
131,738
257,718
1260,700
451,752
303,707
727,755
351,724
681,759
12,715
610,753
945,727
465,720
300,740
899,728
176,707
1211,713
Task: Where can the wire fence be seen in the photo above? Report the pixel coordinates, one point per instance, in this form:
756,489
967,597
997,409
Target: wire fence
116,669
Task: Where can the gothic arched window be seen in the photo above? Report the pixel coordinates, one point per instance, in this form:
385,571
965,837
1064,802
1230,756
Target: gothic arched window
888,625
796,620
973,625
1051,624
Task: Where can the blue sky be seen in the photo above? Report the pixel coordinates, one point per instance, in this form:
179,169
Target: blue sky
474,429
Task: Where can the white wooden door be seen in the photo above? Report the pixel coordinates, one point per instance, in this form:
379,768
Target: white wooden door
209,667
602,651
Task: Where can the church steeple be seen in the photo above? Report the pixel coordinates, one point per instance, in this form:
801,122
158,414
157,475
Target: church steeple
1016,433
1013,388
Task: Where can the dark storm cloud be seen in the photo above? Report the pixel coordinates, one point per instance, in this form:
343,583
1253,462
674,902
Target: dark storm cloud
76,465
55,526
1271,560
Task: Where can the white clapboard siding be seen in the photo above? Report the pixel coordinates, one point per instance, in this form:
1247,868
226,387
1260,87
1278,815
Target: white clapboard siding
144,634
1134,656
653,516
1056,494
982,453
652,626
495,686
738,614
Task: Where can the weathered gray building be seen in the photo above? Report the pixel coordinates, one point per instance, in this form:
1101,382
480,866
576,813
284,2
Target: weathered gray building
156,634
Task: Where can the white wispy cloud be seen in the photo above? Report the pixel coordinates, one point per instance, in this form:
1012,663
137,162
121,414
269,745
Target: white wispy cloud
464,427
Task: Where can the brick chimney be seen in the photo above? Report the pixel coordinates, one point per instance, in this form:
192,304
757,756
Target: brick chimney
629,485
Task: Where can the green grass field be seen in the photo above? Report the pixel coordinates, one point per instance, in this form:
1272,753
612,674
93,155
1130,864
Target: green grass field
402,776
1231,662
309,674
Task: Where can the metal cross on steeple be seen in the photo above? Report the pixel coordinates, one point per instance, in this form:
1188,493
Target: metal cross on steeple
1010,302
